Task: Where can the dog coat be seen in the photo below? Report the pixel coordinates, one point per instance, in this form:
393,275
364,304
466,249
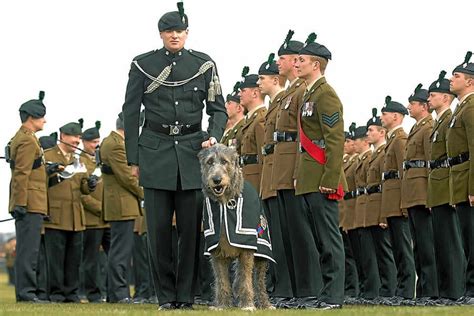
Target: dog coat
243,220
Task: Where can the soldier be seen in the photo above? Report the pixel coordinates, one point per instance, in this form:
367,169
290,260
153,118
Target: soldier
376,224
413,196
369,278
97,231
172,83
251,158
121,206
397,221
64,230
450,259
319,174
235,111
272,84
28,197
460,146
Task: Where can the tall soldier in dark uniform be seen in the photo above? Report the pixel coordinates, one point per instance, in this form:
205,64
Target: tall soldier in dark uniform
319,175
460,149
28,196
172,83
414,192
397,221
450,259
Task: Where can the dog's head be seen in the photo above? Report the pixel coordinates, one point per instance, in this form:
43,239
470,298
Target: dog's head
222,177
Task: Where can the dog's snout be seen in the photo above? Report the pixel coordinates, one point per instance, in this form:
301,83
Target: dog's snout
216,179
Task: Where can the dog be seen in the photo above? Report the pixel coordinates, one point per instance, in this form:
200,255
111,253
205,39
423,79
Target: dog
234,228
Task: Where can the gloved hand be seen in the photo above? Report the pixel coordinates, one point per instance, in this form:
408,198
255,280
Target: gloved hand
53,167
92,182
19,212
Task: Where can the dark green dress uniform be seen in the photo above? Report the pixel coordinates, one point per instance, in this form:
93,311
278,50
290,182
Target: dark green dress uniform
28,200
172,86
321,120
413,198
391,209
460,149
450,259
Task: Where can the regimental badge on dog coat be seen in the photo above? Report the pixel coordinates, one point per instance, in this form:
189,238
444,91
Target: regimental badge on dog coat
244,223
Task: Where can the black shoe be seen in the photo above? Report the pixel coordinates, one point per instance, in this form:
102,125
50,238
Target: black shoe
280,302
167,306
152,300
187,306
445,302
425,301
407,302
350,300
326,306
466,300
126,300
139,300
35,300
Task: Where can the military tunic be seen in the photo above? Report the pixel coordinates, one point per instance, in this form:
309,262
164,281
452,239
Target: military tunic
350,199
373,214
361,183
233,136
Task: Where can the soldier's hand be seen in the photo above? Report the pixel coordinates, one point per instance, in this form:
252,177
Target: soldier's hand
208,143
19,212
325,190
471,200
135,171
383,225
294,183
92,182
53,167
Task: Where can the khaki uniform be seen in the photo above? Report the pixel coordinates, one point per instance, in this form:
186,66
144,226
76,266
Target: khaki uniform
253,133
373,214
28,185
361,183
350,203
418,147
233,136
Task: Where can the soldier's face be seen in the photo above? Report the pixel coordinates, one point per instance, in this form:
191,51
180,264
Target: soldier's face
459,82
246,96
286,64
349,147
72,140
416,109
90,145
38,123
388,119
174,40
374,134
233,108
305,66
266,83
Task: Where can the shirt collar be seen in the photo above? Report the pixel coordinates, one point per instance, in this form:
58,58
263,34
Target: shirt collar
309,86
362,154
381,144
390,133
438,116
465,97
249,114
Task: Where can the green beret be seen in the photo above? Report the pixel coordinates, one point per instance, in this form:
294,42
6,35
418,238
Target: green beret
248,81
72,128
92,133
466,67
394,107
375,120
352,129
315,49
441,84
269,67
174,20
34,108
290,47
234,96
49,141
420,95
360,132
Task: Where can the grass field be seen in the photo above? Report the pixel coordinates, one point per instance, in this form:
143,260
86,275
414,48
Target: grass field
9,307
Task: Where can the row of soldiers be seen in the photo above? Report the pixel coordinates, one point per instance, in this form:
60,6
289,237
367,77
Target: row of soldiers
406,215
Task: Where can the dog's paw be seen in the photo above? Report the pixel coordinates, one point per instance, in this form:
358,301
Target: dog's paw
249,309
216,308
270,307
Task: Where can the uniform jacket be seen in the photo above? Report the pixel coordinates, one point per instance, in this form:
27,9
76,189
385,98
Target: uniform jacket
460,139
321,119
92,203
252,142
438,179
349,205
266,190
373,208
361,182
233,136
28,185
393,161
122,193
159,153
415,180
285,153
64,199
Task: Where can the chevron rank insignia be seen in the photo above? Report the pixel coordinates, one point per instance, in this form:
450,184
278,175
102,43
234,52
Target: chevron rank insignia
331,120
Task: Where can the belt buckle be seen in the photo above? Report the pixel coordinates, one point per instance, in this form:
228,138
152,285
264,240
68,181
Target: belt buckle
241,160
264,152
175,129
383,176
404,165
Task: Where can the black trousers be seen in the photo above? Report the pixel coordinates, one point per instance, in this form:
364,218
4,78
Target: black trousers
325,220
421,228
368,256
351,280
63,249
466,219
119,258
385,260
42,272
206,275
353,236
141,267
403,254
174,286
93,239
450,259
28,240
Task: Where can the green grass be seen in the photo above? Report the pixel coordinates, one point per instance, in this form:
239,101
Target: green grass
9,307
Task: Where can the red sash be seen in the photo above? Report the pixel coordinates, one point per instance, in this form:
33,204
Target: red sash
318,154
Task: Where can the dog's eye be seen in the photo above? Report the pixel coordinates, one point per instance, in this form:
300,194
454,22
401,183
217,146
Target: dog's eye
210,162
223,162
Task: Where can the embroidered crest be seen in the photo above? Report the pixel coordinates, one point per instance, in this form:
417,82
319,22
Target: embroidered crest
308,109
231,204
331,120
262,226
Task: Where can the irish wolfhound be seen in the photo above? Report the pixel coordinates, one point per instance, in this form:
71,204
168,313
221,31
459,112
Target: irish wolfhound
234,228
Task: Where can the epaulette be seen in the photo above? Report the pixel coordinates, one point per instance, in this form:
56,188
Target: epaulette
144,55
200,55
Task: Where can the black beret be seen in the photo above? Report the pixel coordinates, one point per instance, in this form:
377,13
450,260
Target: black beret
72,128
269,67
420,95
174,20
360,132
352,129
290,47
466,67
347,135
34,108
92,133
315,49
441,84
375,120
49,141
394,107
234,95
248,81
